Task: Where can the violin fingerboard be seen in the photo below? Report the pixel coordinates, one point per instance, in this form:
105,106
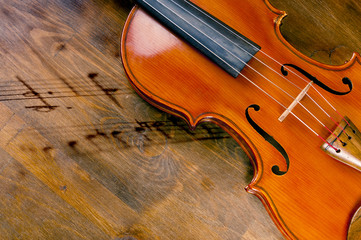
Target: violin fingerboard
219,42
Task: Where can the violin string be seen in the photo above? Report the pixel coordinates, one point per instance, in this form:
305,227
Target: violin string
315,89
222,46
270,57
240,59
189,35
293,98
307,110
269,95
279,74
314,101
216,54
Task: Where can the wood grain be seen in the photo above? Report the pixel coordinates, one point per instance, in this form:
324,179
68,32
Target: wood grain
83,157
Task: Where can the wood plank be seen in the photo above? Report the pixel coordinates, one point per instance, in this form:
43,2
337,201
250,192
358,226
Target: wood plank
327,31
30,210
86,158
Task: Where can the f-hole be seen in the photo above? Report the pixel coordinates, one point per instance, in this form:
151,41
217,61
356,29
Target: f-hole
275,169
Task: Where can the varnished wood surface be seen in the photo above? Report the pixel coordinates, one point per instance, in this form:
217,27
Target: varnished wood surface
83,157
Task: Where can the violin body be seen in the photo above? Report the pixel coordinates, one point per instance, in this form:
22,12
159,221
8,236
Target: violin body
316,195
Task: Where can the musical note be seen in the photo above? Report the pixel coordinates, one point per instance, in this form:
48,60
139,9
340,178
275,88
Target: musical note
108,91
58,88
46,107
126,134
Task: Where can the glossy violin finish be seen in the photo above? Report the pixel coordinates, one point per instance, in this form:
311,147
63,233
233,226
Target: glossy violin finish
285,110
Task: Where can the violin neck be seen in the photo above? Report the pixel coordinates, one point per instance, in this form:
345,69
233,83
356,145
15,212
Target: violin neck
219,42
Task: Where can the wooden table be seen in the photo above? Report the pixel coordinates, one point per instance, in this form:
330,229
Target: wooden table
83,157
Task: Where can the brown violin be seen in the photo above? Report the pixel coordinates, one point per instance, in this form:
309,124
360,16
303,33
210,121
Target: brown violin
225,61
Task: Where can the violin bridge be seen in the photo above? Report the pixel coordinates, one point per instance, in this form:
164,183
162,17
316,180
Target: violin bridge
347,143
295,102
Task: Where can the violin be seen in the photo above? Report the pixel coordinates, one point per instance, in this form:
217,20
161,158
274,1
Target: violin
226,62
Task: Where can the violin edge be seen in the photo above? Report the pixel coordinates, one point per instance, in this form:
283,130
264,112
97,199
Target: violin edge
243,140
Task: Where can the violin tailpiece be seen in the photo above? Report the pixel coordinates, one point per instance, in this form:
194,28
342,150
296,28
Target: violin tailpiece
347,140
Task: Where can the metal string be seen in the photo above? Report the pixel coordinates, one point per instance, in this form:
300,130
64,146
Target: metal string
280,64
230,30
279,74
